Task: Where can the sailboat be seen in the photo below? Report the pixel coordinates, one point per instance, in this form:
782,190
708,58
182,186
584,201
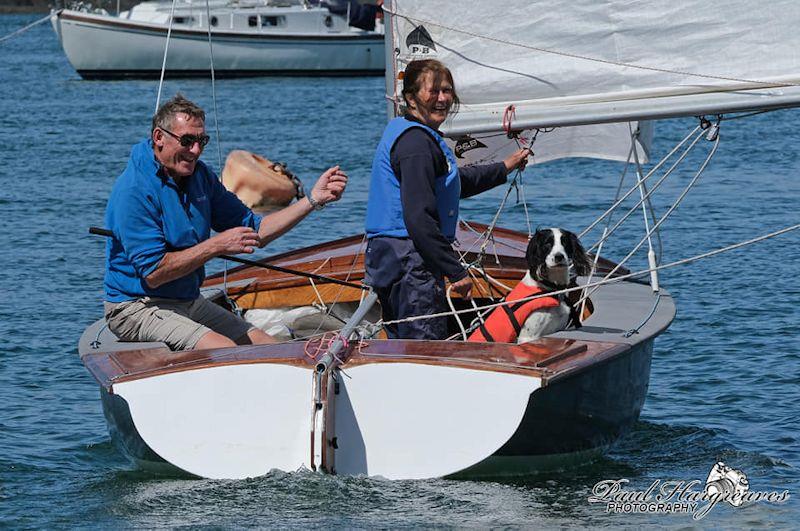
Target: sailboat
336,395
253,38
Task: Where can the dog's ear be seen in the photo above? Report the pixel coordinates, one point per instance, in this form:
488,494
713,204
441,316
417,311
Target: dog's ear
533,254
580,261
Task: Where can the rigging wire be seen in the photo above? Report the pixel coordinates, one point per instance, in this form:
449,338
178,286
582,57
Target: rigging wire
650,192
633,189
646,214
604,236
25,28
166,52
214,89
666,214
607,280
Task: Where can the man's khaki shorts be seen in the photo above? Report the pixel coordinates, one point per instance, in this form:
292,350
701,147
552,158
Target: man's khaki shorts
179,324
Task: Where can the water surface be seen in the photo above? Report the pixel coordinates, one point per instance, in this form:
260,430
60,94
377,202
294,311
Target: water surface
725,381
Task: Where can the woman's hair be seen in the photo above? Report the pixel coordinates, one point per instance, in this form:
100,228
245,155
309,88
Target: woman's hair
414,75
177,105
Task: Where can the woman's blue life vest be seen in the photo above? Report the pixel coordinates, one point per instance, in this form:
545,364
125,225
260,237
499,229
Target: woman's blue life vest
384,210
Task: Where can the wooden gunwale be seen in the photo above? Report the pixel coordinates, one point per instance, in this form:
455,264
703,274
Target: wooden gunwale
548,358
343,259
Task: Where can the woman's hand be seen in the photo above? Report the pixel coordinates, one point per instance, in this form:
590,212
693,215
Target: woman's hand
517,160
463,287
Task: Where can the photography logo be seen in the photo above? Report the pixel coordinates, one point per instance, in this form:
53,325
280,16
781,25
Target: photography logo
724,484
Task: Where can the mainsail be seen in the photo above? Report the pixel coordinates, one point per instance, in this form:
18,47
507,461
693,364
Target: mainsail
523,64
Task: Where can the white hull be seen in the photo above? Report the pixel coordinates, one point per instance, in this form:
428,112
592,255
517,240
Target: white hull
241,421
101,46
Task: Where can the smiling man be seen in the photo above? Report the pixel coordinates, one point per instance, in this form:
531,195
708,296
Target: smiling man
162,211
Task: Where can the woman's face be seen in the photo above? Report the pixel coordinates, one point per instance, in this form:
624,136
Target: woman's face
432,102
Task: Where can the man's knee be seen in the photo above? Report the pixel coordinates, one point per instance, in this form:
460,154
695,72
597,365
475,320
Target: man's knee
256,336
212,339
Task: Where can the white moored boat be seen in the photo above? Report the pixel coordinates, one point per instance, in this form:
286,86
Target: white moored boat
249,39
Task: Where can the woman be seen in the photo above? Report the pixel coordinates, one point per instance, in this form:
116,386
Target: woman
412,211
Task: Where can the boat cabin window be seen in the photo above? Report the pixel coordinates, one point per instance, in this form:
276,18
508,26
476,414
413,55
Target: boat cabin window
214,21
328,21
252,21
271,21
182,20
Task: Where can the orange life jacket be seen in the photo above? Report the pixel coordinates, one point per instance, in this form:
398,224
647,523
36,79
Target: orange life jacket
505,322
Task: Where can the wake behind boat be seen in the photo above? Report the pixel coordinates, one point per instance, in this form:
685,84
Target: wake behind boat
249,38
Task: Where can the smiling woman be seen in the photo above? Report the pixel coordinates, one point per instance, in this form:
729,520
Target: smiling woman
413,202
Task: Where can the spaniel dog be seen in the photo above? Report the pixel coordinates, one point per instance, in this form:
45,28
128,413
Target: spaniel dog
555,258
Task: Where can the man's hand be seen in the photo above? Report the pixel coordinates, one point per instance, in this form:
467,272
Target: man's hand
517,160
463,287
330,186
234,241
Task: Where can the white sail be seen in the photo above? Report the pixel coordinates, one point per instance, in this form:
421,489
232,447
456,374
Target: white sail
591,61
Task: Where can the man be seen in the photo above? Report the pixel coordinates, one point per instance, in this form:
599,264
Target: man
161,212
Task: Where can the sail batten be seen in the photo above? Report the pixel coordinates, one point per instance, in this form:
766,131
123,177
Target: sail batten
593,61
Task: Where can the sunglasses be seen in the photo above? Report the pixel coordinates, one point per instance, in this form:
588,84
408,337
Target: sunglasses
188,140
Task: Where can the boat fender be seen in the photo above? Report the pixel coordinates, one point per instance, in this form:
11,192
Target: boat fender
258,182
504,323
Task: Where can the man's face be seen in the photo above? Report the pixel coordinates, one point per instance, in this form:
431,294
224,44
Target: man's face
179,161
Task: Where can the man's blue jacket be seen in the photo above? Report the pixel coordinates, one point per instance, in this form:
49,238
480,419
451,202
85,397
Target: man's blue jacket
150,215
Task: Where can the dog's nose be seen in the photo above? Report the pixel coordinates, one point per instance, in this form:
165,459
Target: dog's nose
559,258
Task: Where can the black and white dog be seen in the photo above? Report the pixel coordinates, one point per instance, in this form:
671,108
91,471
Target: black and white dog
555,258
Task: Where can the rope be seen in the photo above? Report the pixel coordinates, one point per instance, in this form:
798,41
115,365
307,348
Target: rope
508,116
213,88
341,289
414,20
650,192
605,281
665,216
636,329
25,28
166,50
649,174
603,238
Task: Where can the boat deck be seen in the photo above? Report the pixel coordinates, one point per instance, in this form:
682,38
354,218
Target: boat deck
625,314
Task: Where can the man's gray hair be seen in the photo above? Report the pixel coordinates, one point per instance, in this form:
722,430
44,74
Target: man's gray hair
177,105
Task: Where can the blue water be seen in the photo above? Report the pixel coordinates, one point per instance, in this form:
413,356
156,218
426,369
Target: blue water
725,381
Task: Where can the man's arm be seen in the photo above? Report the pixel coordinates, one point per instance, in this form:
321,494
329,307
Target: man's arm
177,264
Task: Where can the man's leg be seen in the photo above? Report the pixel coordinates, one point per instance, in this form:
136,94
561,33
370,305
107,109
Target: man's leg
256,336
227,325
213,340
161,320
